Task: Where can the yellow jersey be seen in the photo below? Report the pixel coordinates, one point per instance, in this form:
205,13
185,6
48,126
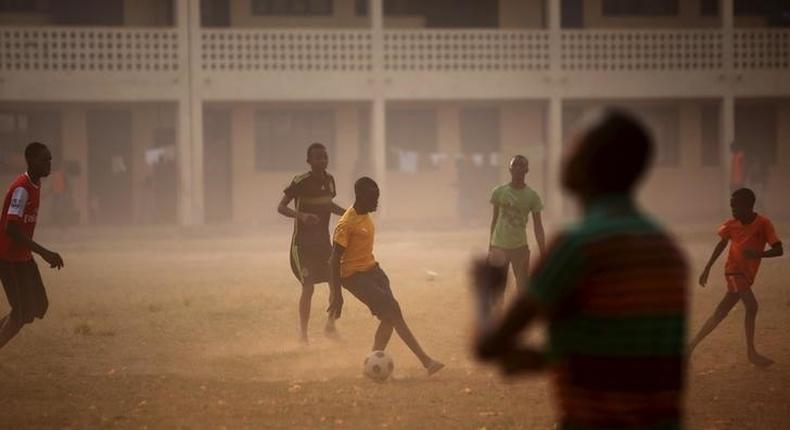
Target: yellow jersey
355,233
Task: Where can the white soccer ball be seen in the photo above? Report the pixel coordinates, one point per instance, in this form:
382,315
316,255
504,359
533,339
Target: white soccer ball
379,366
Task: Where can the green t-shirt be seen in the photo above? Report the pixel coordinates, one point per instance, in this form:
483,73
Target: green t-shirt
515,205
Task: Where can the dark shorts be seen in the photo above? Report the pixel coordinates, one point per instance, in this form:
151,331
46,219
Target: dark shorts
24,289
310,262
372,288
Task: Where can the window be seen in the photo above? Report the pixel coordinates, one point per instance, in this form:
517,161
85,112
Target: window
640,7
292,7
711,146
411,139
709,7
441,13
756,132
22,6
17,129
282,137
663,124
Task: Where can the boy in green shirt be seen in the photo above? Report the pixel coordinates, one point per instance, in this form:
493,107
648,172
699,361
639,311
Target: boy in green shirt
513,202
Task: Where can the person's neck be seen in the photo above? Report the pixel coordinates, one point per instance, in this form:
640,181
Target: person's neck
518,182
748,219
318,172
358,210
593,201
34,178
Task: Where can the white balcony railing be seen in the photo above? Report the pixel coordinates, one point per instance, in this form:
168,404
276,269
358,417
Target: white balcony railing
762,49
640,50
56,49
466,50
68,49
286,50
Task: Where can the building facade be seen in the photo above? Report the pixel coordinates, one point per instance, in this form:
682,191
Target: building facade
197,112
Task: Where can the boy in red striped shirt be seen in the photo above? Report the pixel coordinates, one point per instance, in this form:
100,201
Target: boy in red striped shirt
19,273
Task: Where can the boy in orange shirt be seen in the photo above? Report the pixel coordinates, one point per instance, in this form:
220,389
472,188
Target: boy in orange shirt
747,234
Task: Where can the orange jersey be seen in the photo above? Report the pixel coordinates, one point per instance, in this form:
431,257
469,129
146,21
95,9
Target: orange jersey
753,236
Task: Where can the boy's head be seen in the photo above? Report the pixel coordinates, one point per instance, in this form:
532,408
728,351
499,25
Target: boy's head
317,156
366,191
519,166
39,159
742,203
610,153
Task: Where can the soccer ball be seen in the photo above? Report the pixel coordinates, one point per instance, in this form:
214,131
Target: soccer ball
379,366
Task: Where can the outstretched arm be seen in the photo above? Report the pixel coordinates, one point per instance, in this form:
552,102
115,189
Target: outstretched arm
335,292
52,258
720,247
337,209
540,234
776,251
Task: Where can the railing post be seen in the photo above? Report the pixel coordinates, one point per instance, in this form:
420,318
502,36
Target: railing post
189,127
554,114
727,112
378,112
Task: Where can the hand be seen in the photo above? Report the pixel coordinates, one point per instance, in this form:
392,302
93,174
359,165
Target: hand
703,278
752,254
335,305
309,219
53,259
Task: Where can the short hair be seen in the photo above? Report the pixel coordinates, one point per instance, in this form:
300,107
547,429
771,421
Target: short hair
314,146
746,195
618,149
363,183
520,157
33,149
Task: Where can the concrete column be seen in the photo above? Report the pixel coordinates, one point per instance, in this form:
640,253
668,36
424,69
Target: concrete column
189,125
75,149
727,119
378,111
554,197
727,127
344,157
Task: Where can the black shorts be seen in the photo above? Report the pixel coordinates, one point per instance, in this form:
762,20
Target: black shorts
372,287
310,262
24,289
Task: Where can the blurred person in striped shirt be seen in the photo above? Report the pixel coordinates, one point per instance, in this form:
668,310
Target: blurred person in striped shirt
611,289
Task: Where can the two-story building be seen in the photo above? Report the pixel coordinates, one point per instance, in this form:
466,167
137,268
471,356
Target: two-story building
200,111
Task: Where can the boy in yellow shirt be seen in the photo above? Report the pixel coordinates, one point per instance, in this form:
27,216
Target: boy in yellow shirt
353,266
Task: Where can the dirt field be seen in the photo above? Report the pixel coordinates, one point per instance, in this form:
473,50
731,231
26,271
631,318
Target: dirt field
197,329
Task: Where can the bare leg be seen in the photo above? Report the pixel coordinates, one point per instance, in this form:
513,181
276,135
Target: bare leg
304,308
330,330
9,327
383,335
750,305
431,365
724,308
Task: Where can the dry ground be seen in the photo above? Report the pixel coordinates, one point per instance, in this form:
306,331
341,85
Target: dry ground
167,328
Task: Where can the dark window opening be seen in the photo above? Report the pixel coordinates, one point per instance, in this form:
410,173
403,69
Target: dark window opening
640,7
282,137
292,7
